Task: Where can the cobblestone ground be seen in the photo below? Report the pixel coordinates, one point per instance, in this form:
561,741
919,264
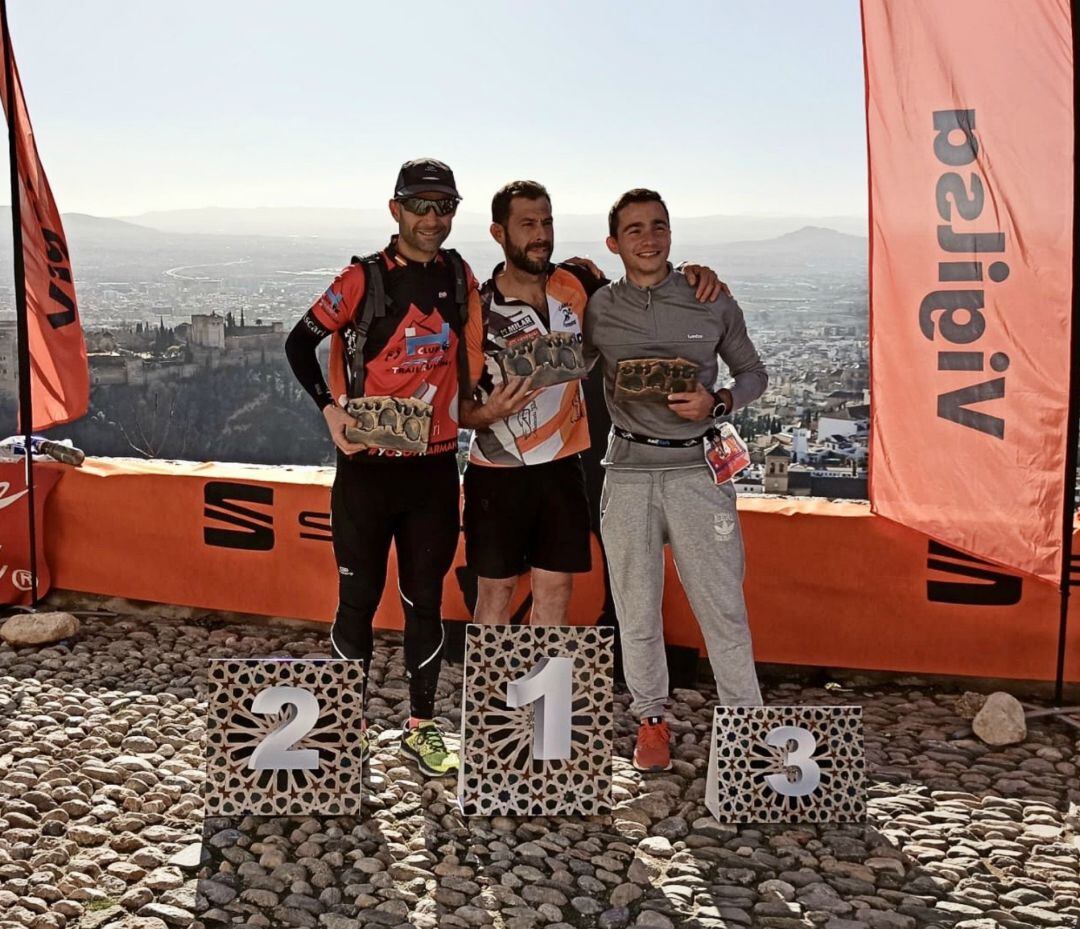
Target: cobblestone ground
101,817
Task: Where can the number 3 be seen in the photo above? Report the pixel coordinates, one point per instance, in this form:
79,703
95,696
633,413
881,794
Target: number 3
274,752
809,772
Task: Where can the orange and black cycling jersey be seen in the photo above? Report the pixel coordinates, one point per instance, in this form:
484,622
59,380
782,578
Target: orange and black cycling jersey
412,351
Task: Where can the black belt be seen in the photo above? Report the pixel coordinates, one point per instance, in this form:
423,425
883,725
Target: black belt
653,440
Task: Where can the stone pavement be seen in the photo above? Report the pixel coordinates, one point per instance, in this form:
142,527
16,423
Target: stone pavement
101,817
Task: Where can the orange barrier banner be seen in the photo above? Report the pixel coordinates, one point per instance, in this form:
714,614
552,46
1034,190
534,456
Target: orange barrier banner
15,585
59,372
970,131
250,539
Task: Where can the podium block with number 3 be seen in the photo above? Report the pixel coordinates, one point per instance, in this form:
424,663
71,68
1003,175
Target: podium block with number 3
786,764
283,737
536,722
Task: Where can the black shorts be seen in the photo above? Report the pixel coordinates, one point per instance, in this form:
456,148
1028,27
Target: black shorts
535,516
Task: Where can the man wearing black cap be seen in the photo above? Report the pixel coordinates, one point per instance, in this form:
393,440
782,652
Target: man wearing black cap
398,320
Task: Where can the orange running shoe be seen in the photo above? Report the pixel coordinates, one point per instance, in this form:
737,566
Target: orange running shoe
653,749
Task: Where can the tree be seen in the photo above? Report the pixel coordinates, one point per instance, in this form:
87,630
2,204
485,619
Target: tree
256,414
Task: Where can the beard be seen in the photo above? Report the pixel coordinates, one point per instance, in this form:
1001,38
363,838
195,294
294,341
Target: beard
520,258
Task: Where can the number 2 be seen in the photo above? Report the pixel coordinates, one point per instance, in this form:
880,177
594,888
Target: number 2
274,751
550,686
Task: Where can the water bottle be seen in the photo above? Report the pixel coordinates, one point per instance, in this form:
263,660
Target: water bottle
67,454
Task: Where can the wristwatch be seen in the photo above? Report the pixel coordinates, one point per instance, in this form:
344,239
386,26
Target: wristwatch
719,406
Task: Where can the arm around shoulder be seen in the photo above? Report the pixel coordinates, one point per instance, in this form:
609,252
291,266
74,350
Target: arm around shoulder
591,325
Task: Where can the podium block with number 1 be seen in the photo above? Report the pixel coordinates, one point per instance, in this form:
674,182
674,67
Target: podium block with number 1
536,722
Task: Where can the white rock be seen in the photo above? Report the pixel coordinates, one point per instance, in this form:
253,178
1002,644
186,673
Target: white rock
38,628
188,858
1001,720
650,919
164,879
656,845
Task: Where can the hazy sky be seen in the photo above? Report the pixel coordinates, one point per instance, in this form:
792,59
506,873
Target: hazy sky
729,106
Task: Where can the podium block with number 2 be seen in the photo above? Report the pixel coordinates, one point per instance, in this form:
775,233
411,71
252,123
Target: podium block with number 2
283,737
536,723
786,764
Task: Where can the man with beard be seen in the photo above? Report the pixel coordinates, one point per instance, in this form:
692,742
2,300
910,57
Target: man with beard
398,320
525,500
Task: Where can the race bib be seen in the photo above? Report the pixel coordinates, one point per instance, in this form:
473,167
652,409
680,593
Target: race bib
725,453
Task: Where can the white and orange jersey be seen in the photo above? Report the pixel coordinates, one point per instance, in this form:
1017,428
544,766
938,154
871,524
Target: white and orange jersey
553,425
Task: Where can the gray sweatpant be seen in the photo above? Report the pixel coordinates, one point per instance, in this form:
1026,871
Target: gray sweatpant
639,512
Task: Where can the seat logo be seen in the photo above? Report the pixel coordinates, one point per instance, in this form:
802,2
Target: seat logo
989,585
252,528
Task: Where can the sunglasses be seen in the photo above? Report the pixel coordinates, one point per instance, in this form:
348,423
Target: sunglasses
420,206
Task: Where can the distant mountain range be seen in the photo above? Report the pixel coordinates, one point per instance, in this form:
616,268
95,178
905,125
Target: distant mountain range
809,241
110,249
468,227
84,224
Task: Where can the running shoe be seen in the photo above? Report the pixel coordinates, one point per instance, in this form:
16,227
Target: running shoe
653,749
424,743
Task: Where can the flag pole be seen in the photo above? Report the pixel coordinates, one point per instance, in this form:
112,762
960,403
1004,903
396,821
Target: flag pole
26,410
1073,427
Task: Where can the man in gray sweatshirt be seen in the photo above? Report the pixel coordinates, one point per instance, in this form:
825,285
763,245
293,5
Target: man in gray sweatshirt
658,488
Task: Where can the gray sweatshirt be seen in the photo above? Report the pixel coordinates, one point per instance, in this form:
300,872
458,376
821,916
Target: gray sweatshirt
666,321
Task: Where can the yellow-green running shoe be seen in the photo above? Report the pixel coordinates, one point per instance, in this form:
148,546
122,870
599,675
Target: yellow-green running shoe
425,744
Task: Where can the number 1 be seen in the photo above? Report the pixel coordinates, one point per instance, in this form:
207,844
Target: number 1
550,686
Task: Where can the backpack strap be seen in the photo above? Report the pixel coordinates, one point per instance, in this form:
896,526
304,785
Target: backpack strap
461,284
373,306
461,307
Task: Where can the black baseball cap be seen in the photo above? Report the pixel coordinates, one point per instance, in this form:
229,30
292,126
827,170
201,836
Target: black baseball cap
424,174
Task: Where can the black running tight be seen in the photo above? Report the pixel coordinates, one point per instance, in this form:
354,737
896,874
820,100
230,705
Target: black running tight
414,503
